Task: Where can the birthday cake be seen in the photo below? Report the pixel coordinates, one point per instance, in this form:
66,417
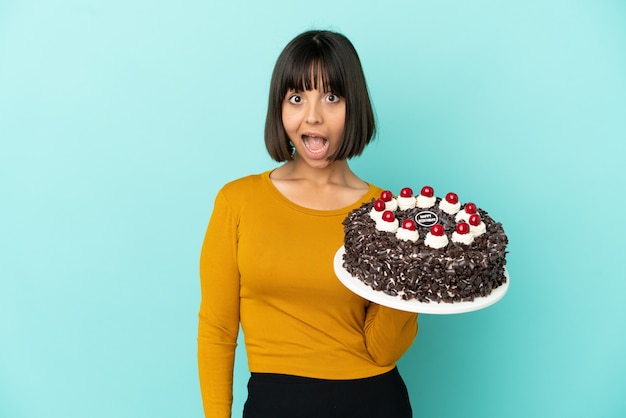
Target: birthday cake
424,247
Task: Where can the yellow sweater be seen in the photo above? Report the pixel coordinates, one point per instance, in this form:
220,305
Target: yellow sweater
267,263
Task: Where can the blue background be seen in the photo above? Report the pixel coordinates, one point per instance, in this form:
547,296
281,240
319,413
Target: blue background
120,120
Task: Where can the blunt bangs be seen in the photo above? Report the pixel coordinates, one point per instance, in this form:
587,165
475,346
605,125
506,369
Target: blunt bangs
326,61
312,70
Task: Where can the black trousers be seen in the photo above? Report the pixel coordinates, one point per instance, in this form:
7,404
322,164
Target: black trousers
284,396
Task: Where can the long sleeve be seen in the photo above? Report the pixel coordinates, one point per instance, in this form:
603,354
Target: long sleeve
219,310
267,266
388,333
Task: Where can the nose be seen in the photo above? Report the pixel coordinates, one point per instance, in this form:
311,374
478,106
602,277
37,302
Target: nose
314,113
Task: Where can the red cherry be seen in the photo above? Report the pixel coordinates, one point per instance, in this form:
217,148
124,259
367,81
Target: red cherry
437,230
409,224
379,205
388,216
470,208
462,228
406,192
386,196
474,220
452,198
427,191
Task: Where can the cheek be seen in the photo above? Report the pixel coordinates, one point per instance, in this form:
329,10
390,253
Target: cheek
291,127
339,123
340,118
288,124
289,120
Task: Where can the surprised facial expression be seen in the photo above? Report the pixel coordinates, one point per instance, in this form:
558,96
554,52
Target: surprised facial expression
314,121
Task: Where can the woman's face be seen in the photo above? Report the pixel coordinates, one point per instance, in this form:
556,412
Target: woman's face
314,121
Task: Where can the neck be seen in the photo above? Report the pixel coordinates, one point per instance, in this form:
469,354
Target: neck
336,172
328,187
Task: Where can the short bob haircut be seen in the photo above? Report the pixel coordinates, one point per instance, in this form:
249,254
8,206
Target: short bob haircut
330,60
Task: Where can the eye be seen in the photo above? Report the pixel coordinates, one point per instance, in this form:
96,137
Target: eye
332,98
295,99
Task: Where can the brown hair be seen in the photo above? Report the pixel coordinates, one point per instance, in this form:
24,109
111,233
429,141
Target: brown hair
330,59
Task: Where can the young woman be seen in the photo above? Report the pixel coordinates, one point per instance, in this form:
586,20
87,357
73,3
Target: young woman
314,348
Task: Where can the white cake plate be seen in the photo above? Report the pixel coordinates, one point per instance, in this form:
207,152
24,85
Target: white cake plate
413,305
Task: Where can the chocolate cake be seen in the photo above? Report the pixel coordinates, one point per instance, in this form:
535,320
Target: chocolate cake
425,247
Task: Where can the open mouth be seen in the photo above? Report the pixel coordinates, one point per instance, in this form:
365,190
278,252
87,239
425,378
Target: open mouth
315,144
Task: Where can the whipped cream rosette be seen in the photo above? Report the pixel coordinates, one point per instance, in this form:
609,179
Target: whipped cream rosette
390,202
436,237
388,222
476,225
408,231
426,199
450,204
378,209
462,234
406,200
468,210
